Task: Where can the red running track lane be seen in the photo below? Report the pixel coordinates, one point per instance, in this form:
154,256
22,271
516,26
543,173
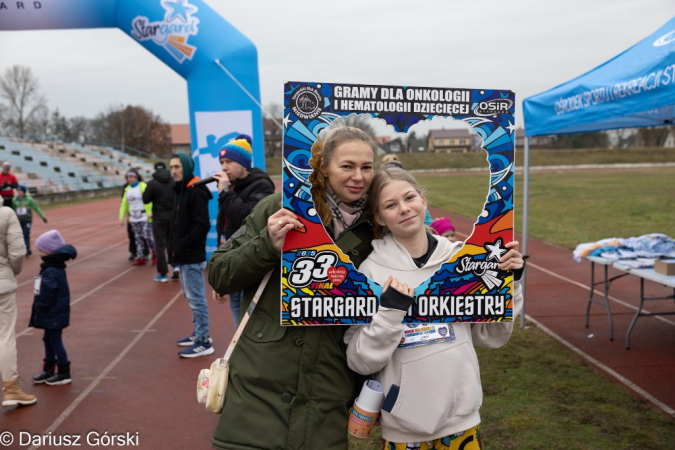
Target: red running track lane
127,375
557,291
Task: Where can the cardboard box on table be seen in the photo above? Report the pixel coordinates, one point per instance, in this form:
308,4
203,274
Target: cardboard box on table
665,267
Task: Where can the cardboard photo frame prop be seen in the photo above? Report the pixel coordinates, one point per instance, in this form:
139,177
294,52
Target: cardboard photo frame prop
320,285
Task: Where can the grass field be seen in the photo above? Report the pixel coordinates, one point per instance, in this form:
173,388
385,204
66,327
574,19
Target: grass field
422,161
568,208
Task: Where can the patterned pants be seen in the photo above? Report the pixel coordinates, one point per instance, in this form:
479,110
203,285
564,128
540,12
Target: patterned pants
468,440
143,237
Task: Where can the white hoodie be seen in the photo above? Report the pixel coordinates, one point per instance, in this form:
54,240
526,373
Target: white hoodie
440,388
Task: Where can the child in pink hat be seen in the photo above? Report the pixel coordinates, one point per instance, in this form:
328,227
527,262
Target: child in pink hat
51,306
443,227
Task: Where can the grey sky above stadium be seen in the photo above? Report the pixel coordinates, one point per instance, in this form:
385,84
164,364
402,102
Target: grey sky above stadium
527,46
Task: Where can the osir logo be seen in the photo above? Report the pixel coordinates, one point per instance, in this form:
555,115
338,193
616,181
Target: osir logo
493,107
307,102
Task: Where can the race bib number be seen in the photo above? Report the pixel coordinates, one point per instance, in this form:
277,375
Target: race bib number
423,334
21,211
36,285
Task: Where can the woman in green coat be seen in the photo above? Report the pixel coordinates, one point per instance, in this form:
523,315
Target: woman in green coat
290,387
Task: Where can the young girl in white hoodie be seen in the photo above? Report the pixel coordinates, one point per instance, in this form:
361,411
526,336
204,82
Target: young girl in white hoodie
432,387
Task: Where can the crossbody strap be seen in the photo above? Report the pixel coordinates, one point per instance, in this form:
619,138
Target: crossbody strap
249,311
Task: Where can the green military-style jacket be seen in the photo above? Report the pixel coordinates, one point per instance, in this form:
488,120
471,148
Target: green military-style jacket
290,387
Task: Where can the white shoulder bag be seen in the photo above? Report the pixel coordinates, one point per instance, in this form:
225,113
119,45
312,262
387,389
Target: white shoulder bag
212,383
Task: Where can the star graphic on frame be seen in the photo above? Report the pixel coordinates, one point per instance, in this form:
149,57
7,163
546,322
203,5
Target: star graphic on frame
496,250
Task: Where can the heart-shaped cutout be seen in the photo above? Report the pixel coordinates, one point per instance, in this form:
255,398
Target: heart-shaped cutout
337,275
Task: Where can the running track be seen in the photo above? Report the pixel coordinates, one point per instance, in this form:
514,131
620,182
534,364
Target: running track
127,376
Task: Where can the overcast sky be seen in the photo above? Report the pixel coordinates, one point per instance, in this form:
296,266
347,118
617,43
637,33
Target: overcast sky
527,46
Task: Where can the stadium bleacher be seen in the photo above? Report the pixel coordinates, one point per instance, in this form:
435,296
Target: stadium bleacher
54,167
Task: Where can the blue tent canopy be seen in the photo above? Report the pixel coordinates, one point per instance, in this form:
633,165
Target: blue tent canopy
634,89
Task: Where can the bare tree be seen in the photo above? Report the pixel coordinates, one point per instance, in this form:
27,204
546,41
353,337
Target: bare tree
653,136
19,88
274,111
38,126
80,129
143,130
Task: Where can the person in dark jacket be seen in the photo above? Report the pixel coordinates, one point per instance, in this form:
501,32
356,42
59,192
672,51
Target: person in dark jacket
293,382
240,188
159,192
51,306
187,248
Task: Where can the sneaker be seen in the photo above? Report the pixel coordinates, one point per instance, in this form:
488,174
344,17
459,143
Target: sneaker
190,341
176,274
132,257
161,278
198,349
139,262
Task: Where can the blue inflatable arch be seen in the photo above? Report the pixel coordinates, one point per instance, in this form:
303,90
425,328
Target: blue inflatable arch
218,62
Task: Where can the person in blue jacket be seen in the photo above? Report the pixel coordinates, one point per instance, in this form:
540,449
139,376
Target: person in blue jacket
51,306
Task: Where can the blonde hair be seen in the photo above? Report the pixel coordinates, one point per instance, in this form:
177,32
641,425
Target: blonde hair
381,179
390,158
322,152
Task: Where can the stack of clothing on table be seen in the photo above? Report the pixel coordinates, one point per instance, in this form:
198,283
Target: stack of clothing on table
649,246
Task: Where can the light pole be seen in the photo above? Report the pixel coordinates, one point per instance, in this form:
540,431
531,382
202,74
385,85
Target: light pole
122,117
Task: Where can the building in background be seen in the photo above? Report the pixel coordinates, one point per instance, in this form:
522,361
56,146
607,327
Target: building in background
180,138
450,141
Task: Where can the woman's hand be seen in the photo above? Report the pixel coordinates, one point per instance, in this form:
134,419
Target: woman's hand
512,259
222,299
279,224
401,287
223,181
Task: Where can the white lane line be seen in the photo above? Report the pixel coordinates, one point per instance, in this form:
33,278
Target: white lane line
601,294
82,297
629,384
76,261
80,398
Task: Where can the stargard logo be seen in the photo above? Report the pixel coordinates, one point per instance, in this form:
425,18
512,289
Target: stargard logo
665,39
171,33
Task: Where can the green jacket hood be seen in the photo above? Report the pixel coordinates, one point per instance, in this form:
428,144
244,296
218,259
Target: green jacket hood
188,166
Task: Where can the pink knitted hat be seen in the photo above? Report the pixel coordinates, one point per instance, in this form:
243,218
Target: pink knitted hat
442,225
50,241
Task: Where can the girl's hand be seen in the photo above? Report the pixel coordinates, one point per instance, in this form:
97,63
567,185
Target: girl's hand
401,287
279,224
512,259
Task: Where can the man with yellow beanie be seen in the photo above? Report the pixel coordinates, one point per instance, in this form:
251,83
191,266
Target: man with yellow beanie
240,186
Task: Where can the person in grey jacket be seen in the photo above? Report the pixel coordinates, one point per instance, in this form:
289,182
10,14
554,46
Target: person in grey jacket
429,373
12,254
